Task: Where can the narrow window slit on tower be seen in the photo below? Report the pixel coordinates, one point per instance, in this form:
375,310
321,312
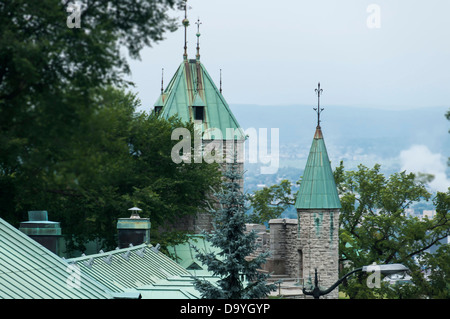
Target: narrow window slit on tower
199,113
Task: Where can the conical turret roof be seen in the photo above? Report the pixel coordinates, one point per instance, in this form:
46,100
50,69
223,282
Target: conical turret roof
318,188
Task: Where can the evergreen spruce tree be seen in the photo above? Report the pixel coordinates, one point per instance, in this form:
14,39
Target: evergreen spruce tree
239,277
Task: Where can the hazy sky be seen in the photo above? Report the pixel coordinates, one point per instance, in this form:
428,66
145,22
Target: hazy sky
275,52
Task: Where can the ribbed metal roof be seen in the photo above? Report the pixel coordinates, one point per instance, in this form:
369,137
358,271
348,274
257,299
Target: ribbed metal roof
28,270
318,188
185,254
129,268
191,86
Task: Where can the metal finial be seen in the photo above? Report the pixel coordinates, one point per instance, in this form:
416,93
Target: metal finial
198,38
162,80
318,109
186,24
220,81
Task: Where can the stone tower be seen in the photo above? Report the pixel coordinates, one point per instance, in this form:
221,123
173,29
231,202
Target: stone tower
192,96
318,208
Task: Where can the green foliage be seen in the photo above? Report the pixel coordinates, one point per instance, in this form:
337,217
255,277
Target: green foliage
240,278
271,202
375,228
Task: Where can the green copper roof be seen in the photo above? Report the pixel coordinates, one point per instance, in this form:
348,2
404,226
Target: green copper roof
28,270
181,287
318,188
126,269
198,101
185,255
192,86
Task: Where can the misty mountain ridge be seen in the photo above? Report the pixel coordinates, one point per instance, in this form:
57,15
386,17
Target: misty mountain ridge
398,139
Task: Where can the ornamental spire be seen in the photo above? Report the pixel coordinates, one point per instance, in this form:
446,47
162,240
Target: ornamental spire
186,24
198,38
318,109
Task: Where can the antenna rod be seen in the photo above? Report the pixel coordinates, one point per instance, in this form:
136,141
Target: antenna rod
318,109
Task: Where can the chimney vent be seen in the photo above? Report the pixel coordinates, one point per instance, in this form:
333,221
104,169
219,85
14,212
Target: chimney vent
133,230
45,232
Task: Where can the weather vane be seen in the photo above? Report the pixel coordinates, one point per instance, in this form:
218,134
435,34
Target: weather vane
198,38
318,109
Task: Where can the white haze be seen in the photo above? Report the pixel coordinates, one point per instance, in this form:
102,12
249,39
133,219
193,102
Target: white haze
418,158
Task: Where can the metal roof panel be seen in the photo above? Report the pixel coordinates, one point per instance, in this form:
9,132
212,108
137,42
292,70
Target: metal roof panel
28,270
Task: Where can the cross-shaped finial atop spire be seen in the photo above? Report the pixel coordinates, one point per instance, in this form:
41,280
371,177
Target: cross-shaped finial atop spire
318,109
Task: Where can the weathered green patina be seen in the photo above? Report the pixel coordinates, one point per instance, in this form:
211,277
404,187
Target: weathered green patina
28,270
318,188
190,87
39,225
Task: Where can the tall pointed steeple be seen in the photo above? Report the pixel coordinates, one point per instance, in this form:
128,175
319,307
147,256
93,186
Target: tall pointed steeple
192,96
318,188
318,208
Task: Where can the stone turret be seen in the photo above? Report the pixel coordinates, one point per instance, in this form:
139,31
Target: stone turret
318,207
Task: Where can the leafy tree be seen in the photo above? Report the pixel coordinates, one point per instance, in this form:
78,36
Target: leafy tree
374,227
50,74
271,202
240,278
437,267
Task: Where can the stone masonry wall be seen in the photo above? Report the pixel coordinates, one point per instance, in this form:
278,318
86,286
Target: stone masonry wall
319,247
297,248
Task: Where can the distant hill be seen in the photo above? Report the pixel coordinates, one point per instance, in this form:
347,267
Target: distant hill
344,124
